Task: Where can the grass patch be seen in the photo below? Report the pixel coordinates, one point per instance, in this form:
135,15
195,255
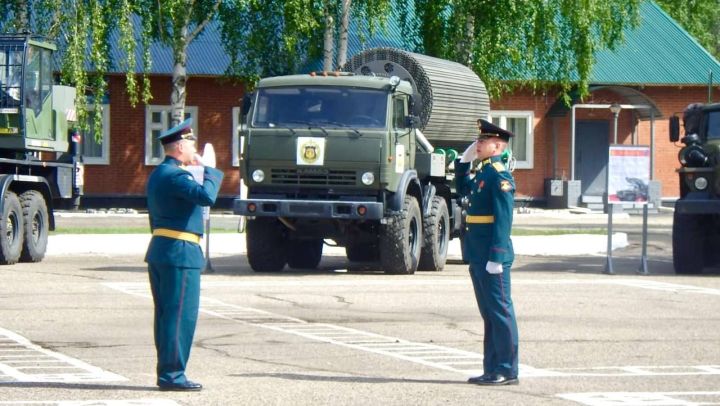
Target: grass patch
121,230
556,231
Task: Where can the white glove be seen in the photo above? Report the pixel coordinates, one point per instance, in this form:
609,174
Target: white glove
207,158
470,153
494,267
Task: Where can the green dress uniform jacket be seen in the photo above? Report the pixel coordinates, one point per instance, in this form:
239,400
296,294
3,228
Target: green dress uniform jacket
487,238
175,202
491,198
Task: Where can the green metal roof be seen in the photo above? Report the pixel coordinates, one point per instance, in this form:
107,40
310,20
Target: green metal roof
657,52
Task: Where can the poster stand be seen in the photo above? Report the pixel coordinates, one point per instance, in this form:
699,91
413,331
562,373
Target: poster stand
627,165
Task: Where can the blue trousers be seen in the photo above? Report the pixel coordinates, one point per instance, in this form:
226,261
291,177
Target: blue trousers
500,343
176,294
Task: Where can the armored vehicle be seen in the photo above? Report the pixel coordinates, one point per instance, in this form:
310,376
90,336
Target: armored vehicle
349,157
38,168
696,223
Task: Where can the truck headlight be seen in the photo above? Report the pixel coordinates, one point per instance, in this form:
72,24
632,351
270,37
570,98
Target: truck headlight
701,183
368,178
258,175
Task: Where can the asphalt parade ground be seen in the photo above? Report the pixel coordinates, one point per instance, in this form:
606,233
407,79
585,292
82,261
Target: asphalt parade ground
76,329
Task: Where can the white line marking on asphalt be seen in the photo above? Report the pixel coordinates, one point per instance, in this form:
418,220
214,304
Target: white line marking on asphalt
431,355
641,282
343,336
644,398
130,402
23,361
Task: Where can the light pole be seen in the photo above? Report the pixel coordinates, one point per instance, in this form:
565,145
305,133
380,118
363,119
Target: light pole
615,108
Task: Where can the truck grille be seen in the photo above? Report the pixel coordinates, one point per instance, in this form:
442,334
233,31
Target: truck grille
312,177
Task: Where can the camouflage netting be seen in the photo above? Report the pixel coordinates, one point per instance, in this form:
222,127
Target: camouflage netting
449,97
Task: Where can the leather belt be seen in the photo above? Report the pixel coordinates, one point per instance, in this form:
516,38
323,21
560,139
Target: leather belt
479,219
178,235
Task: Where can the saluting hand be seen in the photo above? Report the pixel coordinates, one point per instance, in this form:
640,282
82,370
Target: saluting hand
470,153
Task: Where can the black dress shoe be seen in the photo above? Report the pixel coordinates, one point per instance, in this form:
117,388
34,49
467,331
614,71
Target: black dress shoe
497,379
187,386
476,379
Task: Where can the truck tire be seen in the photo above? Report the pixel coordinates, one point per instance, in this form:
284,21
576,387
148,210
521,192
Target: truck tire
11,230
400,239
436,236
304,254
687,241
266,245
36,226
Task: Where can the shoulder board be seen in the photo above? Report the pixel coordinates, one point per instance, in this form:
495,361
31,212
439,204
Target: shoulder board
498,166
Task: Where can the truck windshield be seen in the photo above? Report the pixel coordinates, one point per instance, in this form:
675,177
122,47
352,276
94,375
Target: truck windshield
10,75
713,125
322,106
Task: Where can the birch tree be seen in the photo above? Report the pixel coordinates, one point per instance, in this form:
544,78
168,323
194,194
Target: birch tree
511,43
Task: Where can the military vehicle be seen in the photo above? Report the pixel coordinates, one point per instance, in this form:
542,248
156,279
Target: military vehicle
696,223
39,170
349,157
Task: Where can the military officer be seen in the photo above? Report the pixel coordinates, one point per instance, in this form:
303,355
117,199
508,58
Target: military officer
489,250
174,256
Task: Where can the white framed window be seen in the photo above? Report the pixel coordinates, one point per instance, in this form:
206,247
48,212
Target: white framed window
157,120
236,141
96,152
520,123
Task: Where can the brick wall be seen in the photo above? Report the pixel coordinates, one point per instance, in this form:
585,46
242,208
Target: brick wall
669,100
127,173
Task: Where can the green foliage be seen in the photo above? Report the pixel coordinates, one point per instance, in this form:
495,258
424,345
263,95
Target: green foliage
268,38
701,18
512,43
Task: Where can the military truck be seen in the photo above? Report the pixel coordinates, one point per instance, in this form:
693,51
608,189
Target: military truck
349,157
696,222
38,168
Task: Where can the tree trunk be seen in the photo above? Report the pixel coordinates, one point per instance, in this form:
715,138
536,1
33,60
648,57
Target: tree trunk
329,41
179,81
22,16
343,42
464,49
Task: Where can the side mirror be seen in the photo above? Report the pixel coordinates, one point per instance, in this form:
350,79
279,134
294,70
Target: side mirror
246,104
674,128
412,121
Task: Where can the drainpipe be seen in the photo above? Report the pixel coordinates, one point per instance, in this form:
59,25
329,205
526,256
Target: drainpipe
572,143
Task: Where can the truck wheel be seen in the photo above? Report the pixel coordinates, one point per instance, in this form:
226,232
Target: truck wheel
266,245
361,253
35,217
400,239
436,226
11,230
687,240
304,253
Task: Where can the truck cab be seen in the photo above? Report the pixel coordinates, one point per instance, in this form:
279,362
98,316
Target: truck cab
335,156
696,222
39,169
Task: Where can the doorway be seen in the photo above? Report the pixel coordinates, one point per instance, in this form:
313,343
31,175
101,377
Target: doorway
591,156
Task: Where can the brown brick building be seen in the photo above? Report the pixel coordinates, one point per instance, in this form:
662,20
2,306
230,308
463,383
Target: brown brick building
659,68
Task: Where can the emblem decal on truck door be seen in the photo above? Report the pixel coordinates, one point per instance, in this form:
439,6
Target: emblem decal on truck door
310,151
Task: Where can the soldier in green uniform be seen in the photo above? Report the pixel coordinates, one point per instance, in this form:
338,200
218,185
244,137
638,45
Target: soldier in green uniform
175,259
489,250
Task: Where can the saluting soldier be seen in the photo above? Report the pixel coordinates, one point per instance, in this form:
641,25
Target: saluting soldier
174,256
489,250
